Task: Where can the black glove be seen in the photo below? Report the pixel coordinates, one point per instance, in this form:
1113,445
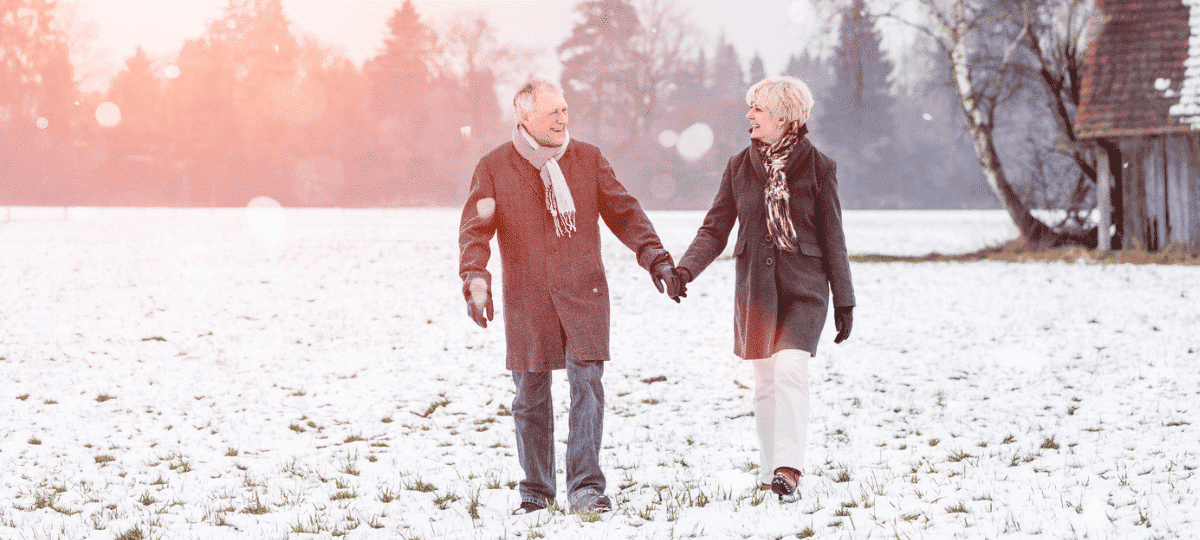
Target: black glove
479,303
843,319
664,272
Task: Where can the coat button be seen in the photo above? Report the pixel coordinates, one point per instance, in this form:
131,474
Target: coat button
553,289
770,261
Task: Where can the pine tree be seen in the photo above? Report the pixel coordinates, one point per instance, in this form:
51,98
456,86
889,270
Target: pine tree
37,93
726,103
400,74
860,102
402,92
599,76
728,80
758,72
856,121
138,93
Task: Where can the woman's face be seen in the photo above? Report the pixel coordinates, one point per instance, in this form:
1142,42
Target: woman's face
764,126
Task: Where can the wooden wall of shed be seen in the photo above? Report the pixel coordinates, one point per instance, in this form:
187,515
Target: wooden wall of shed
1160,186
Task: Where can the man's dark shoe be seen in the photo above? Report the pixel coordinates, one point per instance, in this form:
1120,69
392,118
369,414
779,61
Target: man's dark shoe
527,508
590,500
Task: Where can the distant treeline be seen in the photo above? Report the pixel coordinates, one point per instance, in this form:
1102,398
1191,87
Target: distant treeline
250,109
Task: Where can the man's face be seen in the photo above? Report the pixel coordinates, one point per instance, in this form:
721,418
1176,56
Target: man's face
547,123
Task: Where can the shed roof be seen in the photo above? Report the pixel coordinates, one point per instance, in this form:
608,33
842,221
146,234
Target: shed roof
1141,72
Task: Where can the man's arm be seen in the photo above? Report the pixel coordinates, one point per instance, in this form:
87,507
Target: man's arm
625,218
476,229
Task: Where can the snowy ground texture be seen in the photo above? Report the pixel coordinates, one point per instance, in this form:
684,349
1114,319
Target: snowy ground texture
276,374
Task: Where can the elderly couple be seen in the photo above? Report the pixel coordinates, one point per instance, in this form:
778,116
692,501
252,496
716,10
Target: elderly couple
542,195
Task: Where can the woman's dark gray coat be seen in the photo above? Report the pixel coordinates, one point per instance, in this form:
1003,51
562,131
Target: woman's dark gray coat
780,298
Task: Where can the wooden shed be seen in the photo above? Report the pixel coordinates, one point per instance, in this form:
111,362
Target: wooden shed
1140,107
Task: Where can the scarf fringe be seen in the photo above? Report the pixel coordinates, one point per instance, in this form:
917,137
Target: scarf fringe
564,222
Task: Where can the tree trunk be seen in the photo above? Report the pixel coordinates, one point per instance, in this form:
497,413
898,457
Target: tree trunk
953,34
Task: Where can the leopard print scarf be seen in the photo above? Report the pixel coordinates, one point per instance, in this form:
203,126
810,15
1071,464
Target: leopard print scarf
774,158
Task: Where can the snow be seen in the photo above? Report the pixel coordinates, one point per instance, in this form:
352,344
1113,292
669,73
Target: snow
170,372
1188,108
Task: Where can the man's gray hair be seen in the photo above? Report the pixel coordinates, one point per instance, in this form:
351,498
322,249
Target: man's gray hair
528,93
784,97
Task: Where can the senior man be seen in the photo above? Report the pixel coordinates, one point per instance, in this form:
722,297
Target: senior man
542,195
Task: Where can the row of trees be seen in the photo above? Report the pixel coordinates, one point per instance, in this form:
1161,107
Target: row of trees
249,108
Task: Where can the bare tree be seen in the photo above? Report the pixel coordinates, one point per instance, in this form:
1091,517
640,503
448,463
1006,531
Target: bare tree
989,44
475,56
665,47
1056,42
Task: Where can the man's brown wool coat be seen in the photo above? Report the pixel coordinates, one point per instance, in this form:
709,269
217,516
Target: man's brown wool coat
554,288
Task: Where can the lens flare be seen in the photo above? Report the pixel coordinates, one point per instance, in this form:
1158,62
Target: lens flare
695,141
108,114
171,71
486,208
43,122
267,220
667,138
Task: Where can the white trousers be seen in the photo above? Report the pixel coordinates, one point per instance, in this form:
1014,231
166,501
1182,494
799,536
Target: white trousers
781,410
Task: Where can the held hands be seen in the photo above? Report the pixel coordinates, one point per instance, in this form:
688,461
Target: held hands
664,272
479,305
843,319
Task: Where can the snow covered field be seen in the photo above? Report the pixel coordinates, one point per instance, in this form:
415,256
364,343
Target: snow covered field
279,374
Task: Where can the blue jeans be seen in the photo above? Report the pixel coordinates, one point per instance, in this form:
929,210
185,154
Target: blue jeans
533,414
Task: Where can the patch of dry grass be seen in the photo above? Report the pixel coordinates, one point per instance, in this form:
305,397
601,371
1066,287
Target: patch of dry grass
1020,251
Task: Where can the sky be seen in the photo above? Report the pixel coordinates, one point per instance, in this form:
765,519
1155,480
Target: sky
773,28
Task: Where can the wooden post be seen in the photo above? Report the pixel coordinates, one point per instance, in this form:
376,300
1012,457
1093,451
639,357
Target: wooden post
1103,200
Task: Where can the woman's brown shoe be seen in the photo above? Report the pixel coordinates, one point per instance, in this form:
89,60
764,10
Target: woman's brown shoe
784,484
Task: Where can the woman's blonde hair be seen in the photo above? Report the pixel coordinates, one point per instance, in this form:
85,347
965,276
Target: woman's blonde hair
784,97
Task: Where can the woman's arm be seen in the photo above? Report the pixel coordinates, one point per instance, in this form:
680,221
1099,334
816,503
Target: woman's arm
713,235
831,235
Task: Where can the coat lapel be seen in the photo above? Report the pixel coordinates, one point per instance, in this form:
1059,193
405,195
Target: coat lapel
756,162
530,176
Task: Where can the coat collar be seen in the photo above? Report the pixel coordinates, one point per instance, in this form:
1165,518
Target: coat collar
530,175
798,153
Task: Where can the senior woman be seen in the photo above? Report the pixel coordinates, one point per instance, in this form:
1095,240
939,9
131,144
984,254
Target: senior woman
790,252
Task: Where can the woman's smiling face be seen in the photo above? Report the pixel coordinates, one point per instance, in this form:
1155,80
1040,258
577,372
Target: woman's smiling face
764,126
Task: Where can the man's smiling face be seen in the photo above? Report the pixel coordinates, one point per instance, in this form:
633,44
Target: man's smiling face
547,123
